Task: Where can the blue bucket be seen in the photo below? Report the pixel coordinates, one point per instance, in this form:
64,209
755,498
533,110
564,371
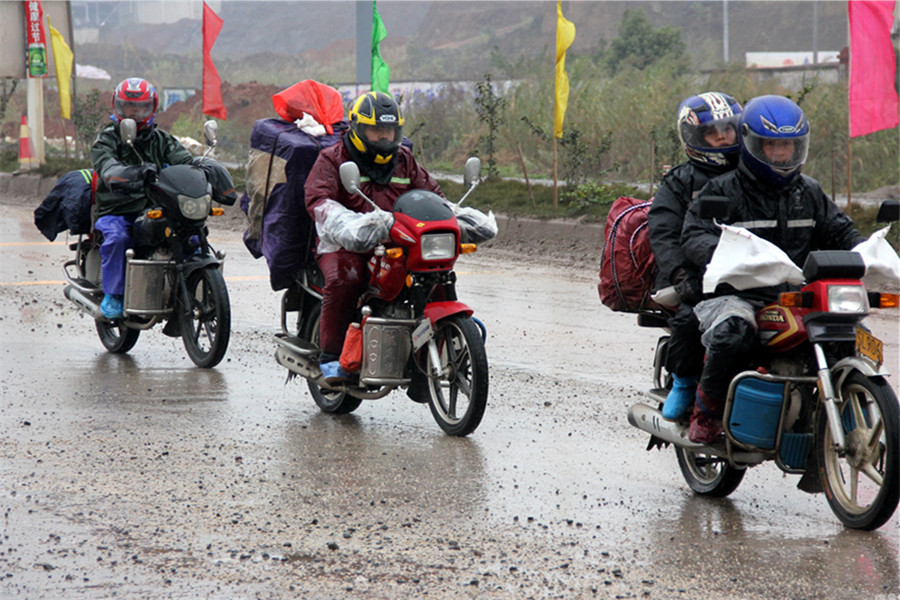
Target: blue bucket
756,411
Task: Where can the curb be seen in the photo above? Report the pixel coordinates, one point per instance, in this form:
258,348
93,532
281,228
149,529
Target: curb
25,186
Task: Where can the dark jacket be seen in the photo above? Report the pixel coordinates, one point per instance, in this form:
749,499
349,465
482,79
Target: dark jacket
324,181
798,218
67,207
120,189
666,217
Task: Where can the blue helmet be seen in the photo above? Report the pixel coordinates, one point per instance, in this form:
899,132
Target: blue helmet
774,138
707,127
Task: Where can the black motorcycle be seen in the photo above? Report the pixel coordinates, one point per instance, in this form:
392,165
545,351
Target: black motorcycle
172,274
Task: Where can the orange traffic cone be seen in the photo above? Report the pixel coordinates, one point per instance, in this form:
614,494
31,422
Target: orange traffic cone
26,160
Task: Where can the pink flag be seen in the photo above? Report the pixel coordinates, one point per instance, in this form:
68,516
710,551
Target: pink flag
873,99
212,83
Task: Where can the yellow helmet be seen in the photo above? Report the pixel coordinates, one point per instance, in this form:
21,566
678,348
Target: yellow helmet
376,127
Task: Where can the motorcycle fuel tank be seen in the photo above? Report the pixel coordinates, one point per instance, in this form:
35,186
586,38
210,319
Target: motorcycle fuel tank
780,328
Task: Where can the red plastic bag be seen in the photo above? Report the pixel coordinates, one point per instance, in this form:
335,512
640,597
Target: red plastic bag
351,355
322,102
627,266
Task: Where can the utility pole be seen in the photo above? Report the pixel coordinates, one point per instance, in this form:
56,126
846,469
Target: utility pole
363,45
725,30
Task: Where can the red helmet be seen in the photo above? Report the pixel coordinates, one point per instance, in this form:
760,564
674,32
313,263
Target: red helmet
136,99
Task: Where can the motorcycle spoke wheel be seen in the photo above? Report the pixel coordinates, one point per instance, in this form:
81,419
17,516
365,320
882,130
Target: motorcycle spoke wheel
708,475
117,338
458,397
207,329
862,483
329,401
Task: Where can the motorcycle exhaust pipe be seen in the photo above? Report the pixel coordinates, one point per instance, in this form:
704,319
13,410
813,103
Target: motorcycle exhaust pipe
83,302
649,419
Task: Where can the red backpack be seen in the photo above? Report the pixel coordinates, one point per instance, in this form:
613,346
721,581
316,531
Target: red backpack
627,266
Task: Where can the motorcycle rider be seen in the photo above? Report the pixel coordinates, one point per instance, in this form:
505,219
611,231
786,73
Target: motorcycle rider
122,173
707,127
772,199
388,170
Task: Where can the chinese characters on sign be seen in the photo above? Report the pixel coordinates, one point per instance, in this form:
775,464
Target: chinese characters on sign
34,36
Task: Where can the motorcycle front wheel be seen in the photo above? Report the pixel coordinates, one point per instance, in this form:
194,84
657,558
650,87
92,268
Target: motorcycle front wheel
117,338
708,475
862,484
458,396
207,328
329,401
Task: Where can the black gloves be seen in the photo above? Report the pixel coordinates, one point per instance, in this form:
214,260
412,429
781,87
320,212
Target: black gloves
149,172
687,285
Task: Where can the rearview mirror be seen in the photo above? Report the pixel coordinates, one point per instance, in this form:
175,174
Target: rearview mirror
714,207
211,132
350,176
472,171
128,130
889,211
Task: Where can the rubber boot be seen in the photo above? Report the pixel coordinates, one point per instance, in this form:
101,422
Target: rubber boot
706,420
680,398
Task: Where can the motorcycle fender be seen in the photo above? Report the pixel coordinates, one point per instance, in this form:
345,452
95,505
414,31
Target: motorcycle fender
436,311
847,365
195,263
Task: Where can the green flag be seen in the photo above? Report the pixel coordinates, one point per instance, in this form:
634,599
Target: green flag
381,73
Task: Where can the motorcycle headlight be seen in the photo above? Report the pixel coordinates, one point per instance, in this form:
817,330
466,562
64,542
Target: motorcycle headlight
848,299
194,208
438,246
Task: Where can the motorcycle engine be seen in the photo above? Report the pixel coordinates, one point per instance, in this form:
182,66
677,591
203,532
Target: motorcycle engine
789,368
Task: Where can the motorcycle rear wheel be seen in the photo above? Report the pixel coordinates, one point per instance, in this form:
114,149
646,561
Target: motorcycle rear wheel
329,401
862,485
206,333
708,475
117,338
458,397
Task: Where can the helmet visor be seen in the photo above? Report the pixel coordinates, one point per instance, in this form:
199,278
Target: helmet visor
139,111
783,154
719,134
382,139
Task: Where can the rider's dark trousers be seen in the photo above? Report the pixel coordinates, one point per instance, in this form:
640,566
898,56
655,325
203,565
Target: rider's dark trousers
727,350
346,278
685,354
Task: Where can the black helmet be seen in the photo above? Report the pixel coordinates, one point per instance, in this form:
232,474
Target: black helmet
376,112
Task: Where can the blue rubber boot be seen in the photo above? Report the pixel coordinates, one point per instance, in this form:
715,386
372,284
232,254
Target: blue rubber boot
111,307
334,373
680,398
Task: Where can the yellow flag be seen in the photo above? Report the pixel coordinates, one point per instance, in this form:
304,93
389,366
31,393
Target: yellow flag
62,57
565,35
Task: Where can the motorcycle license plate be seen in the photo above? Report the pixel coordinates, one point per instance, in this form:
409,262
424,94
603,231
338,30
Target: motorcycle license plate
869,346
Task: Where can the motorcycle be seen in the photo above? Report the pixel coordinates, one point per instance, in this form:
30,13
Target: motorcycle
415,333
172,274
816,404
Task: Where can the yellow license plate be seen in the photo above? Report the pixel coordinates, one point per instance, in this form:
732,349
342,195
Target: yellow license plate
869,346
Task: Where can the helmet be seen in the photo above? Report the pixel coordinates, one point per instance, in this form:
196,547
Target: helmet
774,138
376,111
136,99
708,128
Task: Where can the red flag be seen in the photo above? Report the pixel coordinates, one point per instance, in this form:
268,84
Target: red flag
873,99
212,83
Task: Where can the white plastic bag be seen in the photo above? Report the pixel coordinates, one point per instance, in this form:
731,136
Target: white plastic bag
339,227
745,261
882,261
475,227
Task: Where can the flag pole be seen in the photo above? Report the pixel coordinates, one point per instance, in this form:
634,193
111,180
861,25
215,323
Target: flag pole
555,188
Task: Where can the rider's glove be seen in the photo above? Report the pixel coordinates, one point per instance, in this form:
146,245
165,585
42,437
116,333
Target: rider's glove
688,286
149,173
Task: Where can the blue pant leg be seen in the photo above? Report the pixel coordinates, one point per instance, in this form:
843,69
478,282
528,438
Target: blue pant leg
116,231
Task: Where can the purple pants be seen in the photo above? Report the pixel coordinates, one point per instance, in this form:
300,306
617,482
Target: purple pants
346,278
116,230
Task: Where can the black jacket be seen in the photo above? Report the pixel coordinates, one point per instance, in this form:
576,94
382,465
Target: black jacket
666,217
798,218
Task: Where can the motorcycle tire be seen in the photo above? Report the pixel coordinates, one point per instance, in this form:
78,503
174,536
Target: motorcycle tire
117,338
862,485
708,475
207,329
329,401
458,397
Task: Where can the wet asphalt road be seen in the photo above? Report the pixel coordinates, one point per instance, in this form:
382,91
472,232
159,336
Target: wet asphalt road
141,476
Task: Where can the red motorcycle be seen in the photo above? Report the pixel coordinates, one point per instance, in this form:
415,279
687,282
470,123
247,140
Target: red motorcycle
816,402
416,334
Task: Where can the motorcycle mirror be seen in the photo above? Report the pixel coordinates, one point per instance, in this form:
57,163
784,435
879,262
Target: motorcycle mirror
350,176
472,171
128,130
211,132
714,207
889,211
